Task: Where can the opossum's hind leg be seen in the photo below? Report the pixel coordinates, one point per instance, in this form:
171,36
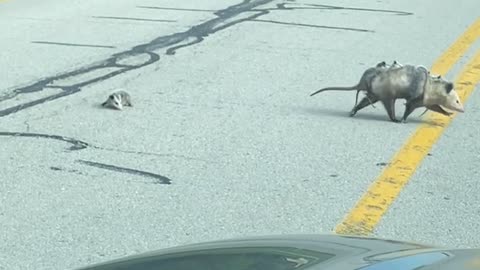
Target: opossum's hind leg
369,99
356,99
389,105
410,106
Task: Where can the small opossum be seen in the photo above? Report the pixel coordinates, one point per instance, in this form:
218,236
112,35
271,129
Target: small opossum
118,100
413,83
395,65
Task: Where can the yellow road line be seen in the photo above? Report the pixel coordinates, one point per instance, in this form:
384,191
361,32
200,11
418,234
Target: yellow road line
363,218
458,48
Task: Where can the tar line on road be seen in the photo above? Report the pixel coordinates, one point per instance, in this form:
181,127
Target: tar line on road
368,211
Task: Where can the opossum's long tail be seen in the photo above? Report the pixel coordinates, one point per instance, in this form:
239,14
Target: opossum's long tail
335,88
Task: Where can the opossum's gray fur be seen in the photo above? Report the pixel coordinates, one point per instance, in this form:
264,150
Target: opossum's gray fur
364,84
406,82
389,83
118,99
365,81
380,67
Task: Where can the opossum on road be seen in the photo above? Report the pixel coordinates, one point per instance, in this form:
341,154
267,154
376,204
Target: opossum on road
413,83
417,86
118,100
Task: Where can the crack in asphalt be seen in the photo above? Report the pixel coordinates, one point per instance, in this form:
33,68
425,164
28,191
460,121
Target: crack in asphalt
396,12
73,44
314,25
80,145
178,9
131,19
75,144
54,168
160,179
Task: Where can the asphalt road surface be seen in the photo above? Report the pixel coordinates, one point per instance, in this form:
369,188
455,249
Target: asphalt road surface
223,139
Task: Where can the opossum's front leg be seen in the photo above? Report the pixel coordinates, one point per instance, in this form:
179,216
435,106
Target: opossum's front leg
410,106
389,105
369,99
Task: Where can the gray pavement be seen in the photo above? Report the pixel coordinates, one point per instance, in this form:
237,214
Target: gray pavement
223,139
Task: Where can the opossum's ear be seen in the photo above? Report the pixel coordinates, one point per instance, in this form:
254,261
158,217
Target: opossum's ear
449,87
439,76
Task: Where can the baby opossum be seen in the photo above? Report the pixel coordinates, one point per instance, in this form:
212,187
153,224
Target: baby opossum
118,100
395,64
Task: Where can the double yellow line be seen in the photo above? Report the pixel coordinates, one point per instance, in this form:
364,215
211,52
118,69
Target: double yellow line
366,214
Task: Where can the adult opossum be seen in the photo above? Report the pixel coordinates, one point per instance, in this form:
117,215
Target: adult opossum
413,83
416,86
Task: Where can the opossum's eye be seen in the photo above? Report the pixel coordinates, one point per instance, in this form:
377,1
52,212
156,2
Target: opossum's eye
449,87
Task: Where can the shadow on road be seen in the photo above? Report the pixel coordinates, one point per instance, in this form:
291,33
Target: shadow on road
362,115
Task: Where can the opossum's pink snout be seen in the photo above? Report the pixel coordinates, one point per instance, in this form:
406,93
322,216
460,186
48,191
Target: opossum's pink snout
459,107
